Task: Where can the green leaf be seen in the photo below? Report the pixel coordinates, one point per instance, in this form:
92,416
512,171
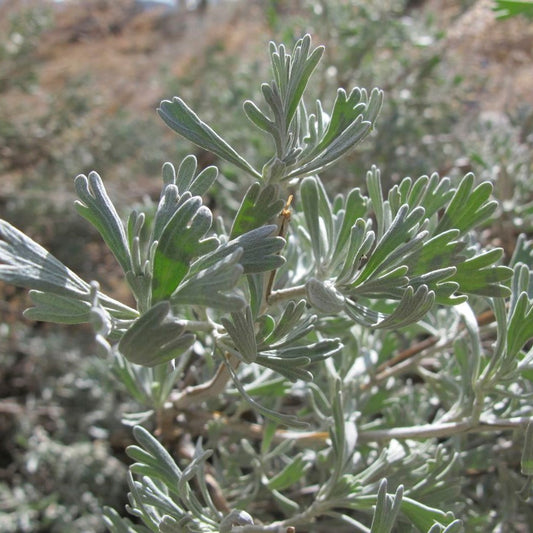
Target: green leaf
260,251
155,338
301,67
24,263
180,242
526,462
183,120
520,328
210,287
291,326
351,121
512,8
403,228
293,361
259,206
187,179
469,206
98,209
57,308
479,275
258,118
290,474
241,331
424,517
387,508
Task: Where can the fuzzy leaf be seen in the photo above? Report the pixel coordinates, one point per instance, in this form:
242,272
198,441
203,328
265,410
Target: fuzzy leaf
290,474
24,263
260,249
241,330
210,287
520,328
97,208
155,338
424,517
291,326
180,242
469,206
183,120
479,275
57,308
259,206
387,508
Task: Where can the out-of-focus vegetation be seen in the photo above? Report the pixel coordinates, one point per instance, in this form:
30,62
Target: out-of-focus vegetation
61,439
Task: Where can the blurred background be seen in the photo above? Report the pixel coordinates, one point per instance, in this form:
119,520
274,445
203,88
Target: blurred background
79,85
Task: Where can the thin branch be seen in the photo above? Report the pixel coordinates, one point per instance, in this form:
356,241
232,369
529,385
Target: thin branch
198,393
286,294
428,431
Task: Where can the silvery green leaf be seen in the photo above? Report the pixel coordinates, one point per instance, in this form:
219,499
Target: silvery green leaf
258,118
323,296
241,330
120,524
260,251
292,72
424,517
280,418
236,517
98,209
387,509
57,308
354,208
390,284
526,462
523,252
211,287
432,193
180,242
352,118
183,120
24,263
290,474
403,228
259,206
480,275
293,361
453,527
167,206
291,326
469,206
155,337
344,435
318,216
188,179
411,308
153,454
360,244
520,321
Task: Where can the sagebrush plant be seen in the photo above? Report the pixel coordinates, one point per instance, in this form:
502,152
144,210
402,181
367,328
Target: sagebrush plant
313,363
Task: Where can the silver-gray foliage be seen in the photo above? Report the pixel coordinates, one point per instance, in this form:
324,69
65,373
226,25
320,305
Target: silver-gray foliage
302,313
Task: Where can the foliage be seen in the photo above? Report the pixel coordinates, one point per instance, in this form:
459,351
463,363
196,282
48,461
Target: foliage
61,410
508,8
320,350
